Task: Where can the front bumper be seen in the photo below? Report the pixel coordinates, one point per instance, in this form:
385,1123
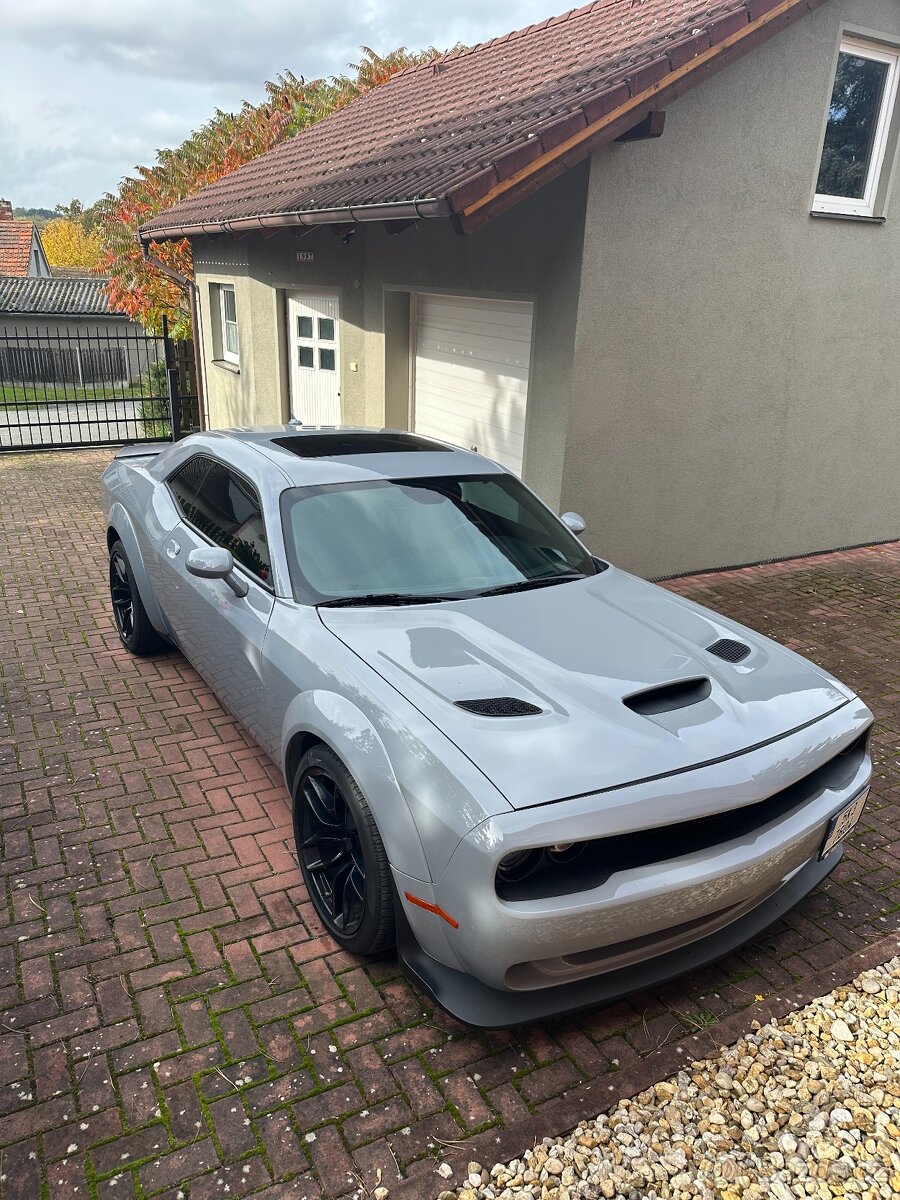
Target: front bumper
508,961
486,1007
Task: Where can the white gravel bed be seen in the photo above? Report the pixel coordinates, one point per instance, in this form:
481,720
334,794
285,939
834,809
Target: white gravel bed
805,1106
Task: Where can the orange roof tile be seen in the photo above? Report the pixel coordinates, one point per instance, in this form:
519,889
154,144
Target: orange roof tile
15,247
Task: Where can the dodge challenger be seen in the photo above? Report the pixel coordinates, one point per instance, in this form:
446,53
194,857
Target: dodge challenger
547,782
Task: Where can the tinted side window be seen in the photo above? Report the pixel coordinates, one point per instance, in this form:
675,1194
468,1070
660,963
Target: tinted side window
186,484
226,508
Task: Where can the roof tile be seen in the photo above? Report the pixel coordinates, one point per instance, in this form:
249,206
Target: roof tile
432,130
52,296
684,51
15,247
724,26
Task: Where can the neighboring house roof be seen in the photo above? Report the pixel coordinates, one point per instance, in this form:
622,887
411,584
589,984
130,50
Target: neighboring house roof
468,134
72,273
21,252
81,297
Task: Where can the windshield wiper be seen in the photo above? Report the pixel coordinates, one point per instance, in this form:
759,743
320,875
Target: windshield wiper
525,585
375,598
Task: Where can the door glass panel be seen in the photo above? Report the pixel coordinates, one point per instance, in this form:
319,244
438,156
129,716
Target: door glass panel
228,511
326,360
304,327
305,356
326,329
852,121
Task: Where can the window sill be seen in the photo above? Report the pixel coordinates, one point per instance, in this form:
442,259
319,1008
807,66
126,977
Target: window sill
234,368
845,216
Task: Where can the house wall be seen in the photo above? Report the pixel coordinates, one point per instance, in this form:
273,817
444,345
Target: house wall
37,259
19,324
737,360
532,253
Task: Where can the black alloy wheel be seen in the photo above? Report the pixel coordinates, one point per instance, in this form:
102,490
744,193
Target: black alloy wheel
133,626
341,855
332,854
121,595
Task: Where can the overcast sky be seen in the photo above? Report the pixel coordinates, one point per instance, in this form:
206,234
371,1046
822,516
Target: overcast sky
90,88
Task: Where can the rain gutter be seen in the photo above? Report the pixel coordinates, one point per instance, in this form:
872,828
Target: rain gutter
403,210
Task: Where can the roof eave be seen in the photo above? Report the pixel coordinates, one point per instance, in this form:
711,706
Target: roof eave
479,200
403,210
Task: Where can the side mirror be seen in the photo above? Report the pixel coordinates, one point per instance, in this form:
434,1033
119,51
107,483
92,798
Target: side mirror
214,562
573,522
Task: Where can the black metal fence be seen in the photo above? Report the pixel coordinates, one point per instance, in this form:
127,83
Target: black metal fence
67,387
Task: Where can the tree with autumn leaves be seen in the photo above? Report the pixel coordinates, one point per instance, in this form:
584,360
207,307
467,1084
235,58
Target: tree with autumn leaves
223,144
67,243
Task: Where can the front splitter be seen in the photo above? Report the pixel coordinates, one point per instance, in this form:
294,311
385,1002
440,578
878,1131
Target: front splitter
478,1004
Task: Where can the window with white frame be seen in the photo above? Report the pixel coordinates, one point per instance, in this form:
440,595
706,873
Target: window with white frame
228,322
860,113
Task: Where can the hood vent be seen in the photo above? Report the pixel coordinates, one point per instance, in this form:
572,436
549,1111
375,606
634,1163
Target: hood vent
499,706
729,649
669,697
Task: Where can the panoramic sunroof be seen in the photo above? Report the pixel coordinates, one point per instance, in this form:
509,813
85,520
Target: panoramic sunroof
337,445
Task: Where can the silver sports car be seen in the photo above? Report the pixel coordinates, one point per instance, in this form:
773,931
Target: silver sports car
548,782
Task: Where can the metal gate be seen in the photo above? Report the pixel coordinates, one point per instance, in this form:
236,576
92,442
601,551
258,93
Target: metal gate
65,388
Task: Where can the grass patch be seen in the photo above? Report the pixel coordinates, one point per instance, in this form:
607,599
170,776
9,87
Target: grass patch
25,395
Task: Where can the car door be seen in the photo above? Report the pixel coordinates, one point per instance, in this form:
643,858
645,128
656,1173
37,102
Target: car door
221,633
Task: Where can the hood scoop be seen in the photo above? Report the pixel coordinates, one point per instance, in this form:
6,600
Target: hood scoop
499,706
669,697
729,650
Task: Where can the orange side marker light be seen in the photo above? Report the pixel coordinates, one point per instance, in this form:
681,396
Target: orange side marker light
432,908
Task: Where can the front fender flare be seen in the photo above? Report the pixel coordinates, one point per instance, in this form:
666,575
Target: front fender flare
337,722
119,521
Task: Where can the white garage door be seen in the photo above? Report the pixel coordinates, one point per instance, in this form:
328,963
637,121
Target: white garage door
470,383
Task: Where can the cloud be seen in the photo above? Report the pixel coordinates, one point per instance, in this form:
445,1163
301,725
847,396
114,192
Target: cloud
234,41
118,81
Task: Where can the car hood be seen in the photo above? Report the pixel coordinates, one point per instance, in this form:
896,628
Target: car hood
578,651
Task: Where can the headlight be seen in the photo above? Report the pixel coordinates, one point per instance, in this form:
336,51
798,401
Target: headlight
518,865
552,870
564,852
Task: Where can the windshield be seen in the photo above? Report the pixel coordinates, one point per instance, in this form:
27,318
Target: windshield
439,538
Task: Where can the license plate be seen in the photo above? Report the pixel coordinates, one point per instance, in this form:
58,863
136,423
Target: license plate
842,823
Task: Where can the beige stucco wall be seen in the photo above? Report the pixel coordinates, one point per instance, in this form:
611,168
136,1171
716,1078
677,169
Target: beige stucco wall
738,361
532,253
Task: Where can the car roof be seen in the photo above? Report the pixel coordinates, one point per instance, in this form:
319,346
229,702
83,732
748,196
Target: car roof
316,454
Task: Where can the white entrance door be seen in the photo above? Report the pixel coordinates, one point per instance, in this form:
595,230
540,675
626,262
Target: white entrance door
470,379
313,331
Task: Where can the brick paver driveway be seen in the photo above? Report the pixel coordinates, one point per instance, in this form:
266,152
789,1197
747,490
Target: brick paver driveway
174,1020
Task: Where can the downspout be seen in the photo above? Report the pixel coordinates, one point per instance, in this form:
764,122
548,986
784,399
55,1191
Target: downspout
191,288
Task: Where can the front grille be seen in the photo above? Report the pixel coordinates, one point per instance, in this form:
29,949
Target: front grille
499,706
729,649
601,858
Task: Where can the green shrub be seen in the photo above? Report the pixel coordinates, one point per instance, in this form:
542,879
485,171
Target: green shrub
154,379
155,417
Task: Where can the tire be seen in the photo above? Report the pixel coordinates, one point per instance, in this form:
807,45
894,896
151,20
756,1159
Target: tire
132,623
342,856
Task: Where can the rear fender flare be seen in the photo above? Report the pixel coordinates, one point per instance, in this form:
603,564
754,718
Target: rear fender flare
119,522
338,723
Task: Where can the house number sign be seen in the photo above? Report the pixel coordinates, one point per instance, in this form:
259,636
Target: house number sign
306,256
